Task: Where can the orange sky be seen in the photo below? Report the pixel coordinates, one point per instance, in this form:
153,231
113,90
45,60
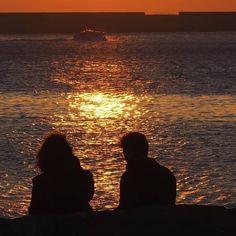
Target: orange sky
148,6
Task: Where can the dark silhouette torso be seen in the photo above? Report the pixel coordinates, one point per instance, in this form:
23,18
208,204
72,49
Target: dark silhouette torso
146,182
62,192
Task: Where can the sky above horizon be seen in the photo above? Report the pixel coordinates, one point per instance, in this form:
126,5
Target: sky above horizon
148,6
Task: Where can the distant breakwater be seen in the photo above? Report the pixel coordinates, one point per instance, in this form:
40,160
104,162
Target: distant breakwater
40,23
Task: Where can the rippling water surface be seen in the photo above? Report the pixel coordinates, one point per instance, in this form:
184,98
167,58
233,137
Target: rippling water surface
178,89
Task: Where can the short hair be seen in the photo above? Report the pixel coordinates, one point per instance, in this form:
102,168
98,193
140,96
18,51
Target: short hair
55,154
135,142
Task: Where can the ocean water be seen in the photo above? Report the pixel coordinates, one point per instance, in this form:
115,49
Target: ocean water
179,89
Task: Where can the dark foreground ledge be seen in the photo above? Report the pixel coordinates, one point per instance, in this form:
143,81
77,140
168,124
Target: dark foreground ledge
155,220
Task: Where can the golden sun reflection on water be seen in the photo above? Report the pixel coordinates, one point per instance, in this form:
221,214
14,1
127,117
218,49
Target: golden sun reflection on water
101,105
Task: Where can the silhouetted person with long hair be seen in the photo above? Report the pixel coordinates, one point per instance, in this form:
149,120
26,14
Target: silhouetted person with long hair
145,182
63,186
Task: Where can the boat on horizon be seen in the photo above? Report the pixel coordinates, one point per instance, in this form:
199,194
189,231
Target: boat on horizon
90,35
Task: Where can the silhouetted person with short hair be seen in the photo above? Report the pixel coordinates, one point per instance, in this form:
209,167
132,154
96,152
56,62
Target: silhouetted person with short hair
63,186
145,182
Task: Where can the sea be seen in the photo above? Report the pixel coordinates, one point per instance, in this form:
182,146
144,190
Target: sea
179,89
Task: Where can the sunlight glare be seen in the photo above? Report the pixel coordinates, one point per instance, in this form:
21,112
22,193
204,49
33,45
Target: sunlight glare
101,105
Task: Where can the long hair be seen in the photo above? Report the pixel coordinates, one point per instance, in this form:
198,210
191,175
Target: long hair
55,155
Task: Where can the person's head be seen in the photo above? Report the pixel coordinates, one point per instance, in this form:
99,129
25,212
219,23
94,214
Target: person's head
135,146
55,154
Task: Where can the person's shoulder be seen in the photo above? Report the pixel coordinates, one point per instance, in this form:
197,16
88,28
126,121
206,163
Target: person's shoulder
39,178
87,174
165,170
124,176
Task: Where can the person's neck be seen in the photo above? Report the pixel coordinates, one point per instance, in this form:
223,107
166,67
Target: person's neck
137,160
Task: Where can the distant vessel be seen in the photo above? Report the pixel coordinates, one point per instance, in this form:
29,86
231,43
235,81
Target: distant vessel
90,35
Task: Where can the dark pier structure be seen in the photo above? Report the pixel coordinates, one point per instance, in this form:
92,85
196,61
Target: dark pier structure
21,23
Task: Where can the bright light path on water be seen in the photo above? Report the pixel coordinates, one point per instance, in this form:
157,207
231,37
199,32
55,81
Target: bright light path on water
101,105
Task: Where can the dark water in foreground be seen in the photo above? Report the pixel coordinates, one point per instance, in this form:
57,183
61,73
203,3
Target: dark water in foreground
178,89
